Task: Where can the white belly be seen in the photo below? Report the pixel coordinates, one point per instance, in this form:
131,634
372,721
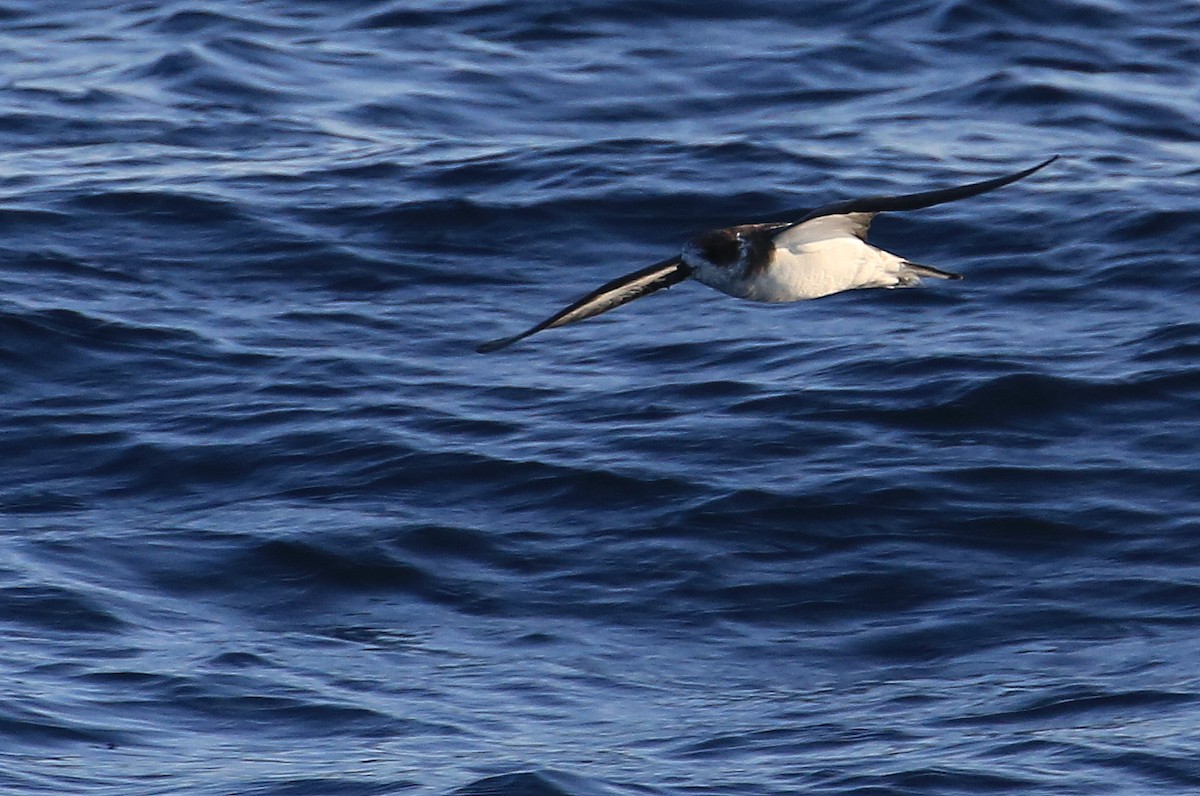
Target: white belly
809,270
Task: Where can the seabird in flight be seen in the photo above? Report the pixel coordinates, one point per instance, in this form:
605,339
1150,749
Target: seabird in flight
822,252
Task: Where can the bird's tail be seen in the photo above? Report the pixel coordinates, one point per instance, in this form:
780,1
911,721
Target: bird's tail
911,273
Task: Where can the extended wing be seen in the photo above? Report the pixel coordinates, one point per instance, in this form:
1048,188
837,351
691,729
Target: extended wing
621,290
824,228
914,201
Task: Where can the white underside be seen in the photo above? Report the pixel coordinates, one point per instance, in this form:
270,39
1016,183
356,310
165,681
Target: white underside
809,269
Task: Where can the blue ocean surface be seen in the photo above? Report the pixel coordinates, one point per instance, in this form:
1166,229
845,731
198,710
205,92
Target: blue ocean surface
270,526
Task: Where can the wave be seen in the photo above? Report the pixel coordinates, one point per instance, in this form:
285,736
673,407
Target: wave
533,783
263,503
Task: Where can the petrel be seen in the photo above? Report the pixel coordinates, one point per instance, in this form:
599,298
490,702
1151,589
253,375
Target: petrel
823,251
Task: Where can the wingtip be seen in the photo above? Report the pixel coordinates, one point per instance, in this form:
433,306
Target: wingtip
1045,163
495,345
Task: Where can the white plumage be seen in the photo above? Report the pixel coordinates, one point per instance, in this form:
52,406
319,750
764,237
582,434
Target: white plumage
816,258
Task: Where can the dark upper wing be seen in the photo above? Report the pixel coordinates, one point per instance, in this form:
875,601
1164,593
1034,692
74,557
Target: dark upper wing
621,290
917,201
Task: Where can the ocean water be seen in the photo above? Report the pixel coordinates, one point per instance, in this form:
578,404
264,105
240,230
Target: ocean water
269,525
